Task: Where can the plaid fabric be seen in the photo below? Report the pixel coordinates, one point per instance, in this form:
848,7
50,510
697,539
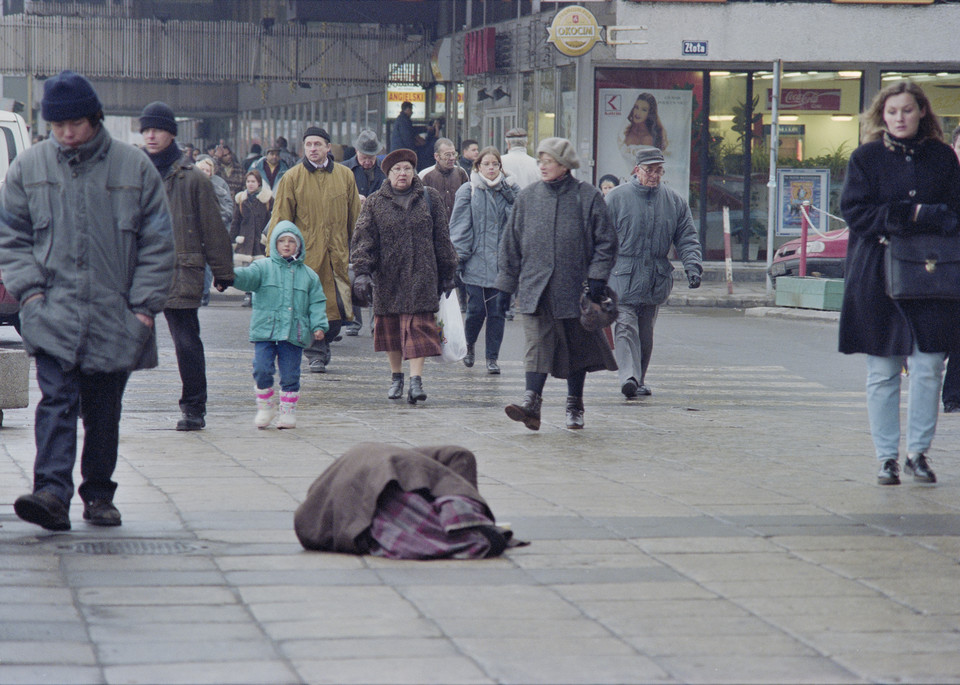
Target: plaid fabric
407,525
415,335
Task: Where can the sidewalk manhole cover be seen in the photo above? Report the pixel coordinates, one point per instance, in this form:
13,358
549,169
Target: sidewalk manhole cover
132,547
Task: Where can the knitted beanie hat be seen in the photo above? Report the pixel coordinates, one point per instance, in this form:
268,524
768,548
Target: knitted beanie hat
158,115
68,96
561,150
316,131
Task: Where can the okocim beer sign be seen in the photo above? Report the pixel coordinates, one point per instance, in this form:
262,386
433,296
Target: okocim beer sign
574,31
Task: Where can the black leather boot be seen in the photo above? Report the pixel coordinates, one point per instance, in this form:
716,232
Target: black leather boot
470,357
574,412
416,393
396,387
527,411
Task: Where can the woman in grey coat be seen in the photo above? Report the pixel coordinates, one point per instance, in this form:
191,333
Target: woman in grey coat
480,212
559,237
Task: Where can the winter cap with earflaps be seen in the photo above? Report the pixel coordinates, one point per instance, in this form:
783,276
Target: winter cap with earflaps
68,96
367,143
158,115
561,150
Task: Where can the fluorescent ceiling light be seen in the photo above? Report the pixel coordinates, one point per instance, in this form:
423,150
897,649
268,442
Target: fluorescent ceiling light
719,73
849,74
842,117
788,117
721,117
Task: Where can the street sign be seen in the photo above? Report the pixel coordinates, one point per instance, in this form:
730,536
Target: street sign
694,47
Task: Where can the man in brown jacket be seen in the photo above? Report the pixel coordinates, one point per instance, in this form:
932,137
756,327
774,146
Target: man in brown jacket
200,239
321,198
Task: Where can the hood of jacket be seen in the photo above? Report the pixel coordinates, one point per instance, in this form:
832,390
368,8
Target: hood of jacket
280,229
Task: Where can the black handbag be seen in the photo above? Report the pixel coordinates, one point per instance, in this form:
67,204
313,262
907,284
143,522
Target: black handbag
922,266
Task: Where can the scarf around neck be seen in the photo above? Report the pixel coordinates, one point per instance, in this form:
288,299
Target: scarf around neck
164,159
905,146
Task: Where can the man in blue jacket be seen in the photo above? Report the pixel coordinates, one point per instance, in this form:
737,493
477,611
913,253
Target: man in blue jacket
89,297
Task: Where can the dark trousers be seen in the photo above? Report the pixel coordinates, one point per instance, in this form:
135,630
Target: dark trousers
184,325
484,303
951,379
63,393
320,349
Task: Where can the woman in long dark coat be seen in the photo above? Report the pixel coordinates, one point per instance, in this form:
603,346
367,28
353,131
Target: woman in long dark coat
251,213
559,237
903,179
403,260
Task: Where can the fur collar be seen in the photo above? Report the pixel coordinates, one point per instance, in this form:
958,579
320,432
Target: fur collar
264,195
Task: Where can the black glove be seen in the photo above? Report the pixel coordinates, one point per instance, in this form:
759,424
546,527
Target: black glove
447,286
222,284
693,279
363,290
596,289
458,277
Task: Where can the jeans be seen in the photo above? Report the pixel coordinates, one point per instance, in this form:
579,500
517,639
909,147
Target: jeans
288,358
633,340
55,430
184,325
484,303
883,401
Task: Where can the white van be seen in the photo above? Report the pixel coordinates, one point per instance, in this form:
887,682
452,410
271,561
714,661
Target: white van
14,139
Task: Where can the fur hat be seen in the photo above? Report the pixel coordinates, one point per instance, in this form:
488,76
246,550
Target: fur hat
649,155
401,155
316,131
158,115
68,96
561,150
367,143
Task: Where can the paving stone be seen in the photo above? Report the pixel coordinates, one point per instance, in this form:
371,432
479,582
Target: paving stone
587,669
108,596
46,652
47,673
208,649
367,648
757,669
173,632
38,612
203,673
36,631
425,670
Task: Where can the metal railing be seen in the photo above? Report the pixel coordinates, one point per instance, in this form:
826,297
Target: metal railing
210,52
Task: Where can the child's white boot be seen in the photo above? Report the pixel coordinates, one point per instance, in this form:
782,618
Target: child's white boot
266,407
288,410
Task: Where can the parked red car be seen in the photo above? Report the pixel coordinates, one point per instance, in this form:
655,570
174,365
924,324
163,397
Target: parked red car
826,255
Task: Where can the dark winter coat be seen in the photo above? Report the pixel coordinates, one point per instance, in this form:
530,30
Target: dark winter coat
402,134
878,181
479,215
408,253
251,214
199,234
365,186
447,183
559,235
649,221
89,229
342,501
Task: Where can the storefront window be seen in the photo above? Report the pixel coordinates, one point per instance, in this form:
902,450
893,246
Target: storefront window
567,119
547,107
941,89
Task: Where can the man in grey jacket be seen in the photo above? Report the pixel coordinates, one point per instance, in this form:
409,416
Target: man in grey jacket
86,245
649,218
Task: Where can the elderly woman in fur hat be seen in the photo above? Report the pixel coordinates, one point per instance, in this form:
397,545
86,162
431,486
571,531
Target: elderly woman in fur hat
403,260
558,238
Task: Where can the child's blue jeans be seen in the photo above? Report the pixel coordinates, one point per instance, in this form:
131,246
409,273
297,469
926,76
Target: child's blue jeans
288,358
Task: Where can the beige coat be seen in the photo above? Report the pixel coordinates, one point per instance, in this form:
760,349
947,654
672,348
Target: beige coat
324,205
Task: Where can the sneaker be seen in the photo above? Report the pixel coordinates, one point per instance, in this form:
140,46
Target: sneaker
352,331
191,422
317,366
44,509
889,473
101,513
629,388
918,467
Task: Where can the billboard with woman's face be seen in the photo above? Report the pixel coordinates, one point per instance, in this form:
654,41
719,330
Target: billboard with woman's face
629,119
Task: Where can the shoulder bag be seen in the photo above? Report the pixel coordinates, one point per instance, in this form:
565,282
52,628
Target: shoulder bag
922,266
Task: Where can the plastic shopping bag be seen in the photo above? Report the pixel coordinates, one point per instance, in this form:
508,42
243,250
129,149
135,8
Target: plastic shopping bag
453,339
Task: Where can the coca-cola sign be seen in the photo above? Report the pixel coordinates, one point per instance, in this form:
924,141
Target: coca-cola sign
809,99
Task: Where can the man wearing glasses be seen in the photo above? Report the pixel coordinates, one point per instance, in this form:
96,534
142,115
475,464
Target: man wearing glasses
650,218
446,176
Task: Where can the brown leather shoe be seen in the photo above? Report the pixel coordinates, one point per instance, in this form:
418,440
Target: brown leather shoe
527,411
101,513
44,509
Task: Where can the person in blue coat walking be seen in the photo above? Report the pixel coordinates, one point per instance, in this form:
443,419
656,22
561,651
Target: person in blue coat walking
289,313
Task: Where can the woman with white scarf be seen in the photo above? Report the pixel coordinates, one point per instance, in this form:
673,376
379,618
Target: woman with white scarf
480,212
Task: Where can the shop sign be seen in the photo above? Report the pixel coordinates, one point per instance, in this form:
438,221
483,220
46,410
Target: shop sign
809,99
479,54
574,31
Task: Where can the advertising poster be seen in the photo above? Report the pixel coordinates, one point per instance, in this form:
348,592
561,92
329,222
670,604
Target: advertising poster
796,186
631,118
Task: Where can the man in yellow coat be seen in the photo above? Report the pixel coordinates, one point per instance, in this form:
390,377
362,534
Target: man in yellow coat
320,197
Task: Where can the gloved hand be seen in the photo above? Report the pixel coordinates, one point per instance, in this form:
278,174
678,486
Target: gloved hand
936,216
458,277
693,279
363,290
595,289
222,284
447,286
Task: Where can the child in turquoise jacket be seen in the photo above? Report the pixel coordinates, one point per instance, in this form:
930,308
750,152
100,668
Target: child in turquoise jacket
289,312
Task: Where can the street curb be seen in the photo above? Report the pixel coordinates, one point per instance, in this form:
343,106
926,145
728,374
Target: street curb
794,313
